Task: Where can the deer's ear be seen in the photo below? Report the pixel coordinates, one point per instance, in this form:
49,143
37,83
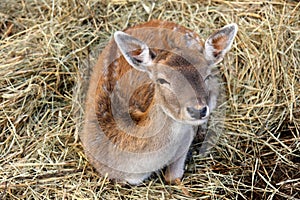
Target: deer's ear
136,52
219,43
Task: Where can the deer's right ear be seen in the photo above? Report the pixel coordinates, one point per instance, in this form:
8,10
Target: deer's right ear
136,52
219,43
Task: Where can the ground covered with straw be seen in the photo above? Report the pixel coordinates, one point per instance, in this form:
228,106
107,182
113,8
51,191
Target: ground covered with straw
43,45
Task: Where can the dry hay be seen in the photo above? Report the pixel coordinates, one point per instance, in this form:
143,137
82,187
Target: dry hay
42,45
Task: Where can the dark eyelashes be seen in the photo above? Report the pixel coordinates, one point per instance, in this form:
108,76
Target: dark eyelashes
162,81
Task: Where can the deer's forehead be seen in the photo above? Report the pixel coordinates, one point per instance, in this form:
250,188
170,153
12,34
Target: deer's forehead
188,66
177,61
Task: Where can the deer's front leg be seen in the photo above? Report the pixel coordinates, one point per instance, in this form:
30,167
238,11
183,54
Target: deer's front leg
175,169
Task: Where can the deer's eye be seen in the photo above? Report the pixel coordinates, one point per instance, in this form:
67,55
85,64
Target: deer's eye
162,81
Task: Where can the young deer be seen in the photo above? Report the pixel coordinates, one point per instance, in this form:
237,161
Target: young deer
151,87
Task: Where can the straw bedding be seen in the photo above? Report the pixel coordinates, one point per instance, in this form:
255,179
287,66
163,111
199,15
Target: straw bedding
47,49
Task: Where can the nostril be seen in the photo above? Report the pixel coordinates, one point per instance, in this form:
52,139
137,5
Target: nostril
198,113
203,112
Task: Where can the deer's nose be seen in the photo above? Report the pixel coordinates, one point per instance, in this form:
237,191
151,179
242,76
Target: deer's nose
201,113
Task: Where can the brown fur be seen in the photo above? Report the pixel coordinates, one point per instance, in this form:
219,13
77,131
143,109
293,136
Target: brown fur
139,106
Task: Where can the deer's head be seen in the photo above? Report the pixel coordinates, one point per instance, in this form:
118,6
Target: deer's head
181,74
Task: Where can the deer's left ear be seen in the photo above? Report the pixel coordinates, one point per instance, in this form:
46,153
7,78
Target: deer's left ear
219,43
135,51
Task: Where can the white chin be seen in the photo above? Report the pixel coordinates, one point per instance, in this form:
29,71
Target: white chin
195,122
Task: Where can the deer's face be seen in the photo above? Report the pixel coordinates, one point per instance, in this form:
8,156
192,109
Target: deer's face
180,88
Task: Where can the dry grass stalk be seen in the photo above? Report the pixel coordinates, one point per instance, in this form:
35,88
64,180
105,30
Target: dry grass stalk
42,47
